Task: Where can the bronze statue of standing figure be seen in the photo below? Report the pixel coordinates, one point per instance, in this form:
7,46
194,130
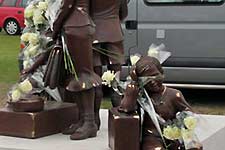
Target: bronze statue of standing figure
78,28
108,42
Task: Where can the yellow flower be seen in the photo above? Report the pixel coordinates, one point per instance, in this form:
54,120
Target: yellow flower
190,122
38,17
108,77
16,95
134,59
27,23
25,37
33,39
42,6
186,134
33,50
29,11
172,133
26,64
25,86
153,52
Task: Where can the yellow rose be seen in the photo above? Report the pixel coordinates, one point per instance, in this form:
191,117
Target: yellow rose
26,64
26,53
42,6
33,39
134,59
29,11
25,86
153,52
25,37
38,17
108,77
186,134
16,95
33,50
27,23
190,122
172,133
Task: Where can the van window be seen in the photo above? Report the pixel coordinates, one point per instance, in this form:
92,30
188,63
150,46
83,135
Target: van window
23,3
184,1
8,3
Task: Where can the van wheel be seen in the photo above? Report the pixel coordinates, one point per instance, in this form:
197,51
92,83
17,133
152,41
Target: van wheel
12,27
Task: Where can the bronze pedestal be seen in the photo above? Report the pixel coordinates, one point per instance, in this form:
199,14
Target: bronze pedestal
55,117
124,130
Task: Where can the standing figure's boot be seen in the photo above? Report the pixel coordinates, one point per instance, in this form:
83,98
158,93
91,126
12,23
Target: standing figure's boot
89,128
98,100
73,127
75,97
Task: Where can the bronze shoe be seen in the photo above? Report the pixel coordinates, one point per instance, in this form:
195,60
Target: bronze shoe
72,128
84,132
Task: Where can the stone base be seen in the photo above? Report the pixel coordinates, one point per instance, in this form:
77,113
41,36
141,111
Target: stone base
55,117
123,130
211,134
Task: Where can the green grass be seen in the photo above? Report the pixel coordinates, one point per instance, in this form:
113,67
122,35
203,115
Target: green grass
9,49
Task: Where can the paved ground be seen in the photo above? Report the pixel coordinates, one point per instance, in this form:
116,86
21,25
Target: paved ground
211,133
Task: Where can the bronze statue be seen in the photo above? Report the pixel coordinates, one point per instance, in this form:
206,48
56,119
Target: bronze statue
79,30
167,101
108,39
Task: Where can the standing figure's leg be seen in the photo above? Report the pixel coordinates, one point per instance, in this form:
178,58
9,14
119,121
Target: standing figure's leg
89,128
79,41
73,97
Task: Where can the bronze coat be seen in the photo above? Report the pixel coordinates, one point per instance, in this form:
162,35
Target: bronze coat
79,30
107,14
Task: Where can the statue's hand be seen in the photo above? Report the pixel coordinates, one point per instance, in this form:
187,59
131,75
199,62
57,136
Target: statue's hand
129,102
26,71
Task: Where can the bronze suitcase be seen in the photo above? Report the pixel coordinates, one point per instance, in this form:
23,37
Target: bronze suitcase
55,117
124,130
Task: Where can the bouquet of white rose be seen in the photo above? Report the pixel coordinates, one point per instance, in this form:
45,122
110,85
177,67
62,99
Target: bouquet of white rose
183,129
19,90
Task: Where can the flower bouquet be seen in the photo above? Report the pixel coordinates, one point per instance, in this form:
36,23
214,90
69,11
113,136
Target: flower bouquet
182,129
21,100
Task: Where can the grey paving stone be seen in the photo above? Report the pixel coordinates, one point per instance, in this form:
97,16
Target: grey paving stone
211,133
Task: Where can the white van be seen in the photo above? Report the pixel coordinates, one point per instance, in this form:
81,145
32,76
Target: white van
192,30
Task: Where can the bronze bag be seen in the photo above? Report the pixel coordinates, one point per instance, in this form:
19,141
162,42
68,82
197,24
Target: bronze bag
55,70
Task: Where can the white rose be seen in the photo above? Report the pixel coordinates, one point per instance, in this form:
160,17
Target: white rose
38,17
190,122
16,95
42,6
25,37
33,39
134,59
26,64
108,77
25,86
27,23
187,134
153,52
26,51
172,133
29,11
33,50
